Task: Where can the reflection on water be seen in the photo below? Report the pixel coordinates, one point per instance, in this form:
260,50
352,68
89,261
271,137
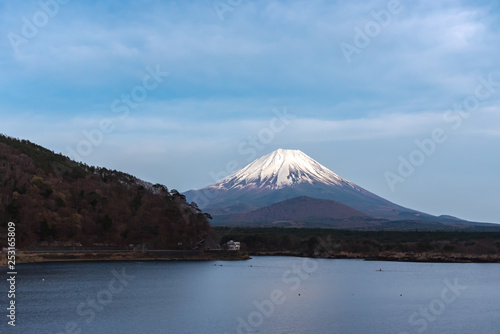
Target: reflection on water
264,295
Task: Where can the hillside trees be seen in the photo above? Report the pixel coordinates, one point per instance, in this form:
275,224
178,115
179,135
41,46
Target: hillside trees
53,199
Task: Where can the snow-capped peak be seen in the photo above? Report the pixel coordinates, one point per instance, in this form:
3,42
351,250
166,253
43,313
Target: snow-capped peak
279,169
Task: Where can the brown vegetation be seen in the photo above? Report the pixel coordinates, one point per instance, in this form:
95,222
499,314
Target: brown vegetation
55,201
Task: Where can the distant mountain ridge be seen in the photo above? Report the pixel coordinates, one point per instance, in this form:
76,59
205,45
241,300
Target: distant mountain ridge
297,209
285,174
282,175
306,212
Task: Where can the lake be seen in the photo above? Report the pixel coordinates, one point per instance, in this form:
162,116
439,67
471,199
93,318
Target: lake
262,295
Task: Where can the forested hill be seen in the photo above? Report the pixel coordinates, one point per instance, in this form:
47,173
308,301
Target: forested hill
56,201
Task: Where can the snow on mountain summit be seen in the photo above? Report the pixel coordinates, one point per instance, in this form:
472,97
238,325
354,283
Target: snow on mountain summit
281,168
285,174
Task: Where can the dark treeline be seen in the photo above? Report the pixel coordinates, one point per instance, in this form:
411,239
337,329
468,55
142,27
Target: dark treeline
54,200
345,243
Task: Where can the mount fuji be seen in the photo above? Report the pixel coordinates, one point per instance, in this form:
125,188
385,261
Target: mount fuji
285,174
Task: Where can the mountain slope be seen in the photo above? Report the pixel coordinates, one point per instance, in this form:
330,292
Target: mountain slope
285,174
54,200
299,208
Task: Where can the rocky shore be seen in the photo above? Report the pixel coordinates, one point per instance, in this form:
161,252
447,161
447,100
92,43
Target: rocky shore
54,256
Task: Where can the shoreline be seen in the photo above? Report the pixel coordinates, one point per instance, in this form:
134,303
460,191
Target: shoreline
48,257
396,257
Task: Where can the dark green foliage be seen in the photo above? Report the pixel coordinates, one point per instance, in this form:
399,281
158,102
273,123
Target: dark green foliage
448,248
46,232
106,223
136,203
12,211
329,242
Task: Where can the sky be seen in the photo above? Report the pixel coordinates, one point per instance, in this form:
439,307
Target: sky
399,97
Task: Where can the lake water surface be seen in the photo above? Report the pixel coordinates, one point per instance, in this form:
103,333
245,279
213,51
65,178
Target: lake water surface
262,295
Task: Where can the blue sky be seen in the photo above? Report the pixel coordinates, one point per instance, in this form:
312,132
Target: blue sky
361,82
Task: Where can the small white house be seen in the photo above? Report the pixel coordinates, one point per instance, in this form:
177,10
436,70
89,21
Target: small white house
233,245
